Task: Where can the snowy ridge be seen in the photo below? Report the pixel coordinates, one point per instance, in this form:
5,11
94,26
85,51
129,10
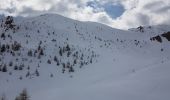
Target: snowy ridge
54,57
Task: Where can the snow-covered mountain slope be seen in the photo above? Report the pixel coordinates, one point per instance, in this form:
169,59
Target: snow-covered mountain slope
54,57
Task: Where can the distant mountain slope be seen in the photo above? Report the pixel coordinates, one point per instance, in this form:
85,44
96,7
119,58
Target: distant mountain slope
54,57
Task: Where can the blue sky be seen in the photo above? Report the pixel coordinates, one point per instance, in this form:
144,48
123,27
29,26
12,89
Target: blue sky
122,14
113,10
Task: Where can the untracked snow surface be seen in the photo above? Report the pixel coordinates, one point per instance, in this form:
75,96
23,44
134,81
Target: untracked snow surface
74,60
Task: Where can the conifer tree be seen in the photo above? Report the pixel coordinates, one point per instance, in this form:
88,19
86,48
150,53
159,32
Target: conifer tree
4,69
23,95
37,73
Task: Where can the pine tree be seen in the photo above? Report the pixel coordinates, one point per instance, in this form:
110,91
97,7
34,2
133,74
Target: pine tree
20,77
3,48
4,69
75,61
81,64
41,52
16,46
55,59
10,63
68,53
15,67
63,70
3,35
67,48
20,67
37,73
51,75
3,97
49,62
30,53
71,69
17,98
23,96
60,52
28,74
28,68
82,57
91,61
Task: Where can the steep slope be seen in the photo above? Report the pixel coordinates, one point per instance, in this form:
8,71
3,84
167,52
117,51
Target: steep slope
54,57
